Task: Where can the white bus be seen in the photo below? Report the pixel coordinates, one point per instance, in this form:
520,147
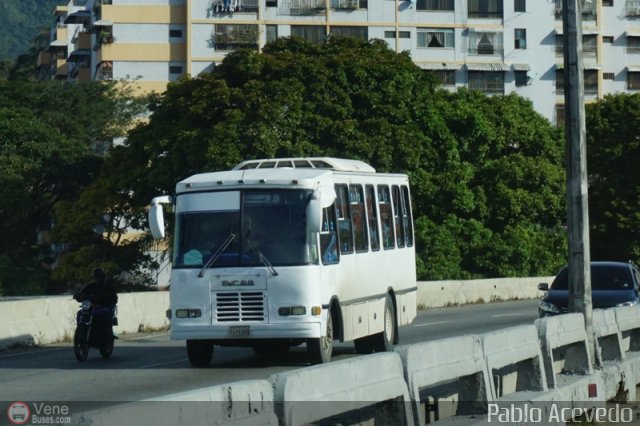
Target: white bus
280,252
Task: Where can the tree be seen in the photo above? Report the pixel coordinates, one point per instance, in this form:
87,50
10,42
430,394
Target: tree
48,131
613,126
487,172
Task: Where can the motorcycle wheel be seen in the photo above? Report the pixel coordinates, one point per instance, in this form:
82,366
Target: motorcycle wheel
80,343
107,349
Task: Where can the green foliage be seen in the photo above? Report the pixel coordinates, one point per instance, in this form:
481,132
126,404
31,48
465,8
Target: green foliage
486,172
613,155
47,134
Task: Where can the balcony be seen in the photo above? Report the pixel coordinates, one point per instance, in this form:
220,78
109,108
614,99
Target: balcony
218,7
588,9
344,4
235,36
632,8
302,7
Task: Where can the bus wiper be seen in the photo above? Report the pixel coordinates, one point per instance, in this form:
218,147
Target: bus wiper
262,257
217,254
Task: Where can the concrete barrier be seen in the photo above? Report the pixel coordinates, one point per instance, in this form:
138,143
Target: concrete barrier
549,362
244,403
448,375
52,319
434,294
352,388
514,361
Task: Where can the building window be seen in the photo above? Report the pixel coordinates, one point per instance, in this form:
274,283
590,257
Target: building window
559,81
522,79
489,82
437,5
560,115
271,33
235,36
520,38
435,38
485,43
175,69
607,39
361,33
311,33
272,3
485,9
559,44
633,44
401,34
607,3
632,8
590,82
175,33
344,4
633,80
445,77
608,76
519,6
588,9
590,45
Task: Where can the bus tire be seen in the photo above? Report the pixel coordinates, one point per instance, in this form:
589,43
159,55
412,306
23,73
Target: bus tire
320,349
383,342
200,352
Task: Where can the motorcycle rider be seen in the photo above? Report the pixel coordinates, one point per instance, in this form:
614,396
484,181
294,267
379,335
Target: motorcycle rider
103,296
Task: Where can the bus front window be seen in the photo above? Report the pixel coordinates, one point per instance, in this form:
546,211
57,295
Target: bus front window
270,222
201,234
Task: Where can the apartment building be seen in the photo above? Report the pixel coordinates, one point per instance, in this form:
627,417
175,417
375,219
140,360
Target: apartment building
497,46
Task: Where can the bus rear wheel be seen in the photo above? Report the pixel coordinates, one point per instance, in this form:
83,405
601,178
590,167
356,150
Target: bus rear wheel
320,349
383,342
200,352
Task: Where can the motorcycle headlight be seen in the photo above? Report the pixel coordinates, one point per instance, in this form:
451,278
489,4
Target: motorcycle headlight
549,307
629,303
86,305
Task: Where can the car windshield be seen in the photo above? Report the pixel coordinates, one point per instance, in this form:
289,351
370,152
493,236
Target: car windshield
603,277
268,222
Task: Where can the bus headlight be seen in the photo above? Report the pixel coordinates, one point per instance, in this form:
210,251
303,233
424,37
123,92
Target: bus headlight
549,308
188,313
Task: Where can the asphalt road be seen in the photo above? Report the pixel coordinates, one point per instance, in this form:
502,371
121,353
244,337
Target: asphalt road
146,366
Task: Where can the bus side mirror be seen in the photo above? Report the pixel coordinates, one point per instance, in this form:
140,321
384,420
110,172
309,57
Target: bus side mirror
543,287
314,216
156,216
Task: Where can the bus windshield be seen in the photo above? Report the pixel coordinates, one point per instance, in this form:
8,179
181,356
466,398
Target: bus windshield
271,223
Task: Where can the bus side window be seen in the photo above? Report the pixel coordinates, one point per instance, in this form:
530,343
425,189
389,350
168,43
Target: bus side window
345,235
397,215
406,216
328,237
372,214
386,217
358,219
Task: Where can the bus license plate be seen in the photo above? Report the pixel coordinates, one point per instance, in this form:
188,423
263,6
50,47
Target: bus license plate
238,330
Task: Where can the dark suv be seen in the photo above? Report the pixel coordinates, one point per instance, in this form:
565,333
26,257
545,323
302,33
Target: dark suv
612,284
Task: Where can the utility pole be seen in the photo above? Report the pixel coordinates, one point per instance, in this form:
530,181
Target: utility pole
576,151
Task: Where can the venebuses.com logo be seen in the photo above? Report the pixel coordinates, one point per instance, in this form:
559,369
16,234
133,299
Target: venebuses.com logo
18,413
39,413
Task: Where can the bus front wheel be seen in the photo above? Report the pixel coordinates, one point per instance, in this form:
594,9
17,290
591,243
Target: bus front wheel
320,349
200,352
383,342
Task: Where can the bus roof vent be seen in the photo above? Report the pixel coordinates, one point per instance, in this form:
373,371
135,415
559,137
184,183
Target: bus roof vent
329,163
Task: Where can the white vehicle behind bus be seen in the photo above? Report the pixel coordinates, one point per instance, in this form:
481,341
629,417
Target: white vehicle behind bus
280,252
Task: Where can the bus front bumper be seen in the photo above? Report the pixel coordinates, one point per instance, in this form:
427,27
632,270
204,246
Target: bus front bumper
238,332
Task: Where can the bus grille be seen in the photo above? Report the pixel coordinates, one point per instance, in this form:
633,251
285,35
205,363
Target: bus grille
240,306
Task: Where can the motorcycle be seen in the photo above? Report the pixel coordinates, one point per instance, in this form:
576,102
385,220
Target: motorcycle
90,333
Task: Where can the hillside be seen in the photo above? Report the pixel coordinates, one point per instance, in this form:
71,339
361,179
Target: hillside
20,22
